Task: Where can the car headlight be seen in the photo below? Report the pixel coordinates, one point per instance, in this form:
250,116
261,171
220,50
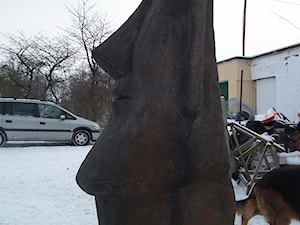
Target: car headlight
97,127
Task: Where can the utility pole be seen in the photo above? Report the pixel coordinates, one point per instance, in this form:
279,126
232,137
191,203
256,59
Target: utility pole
242,71
244,25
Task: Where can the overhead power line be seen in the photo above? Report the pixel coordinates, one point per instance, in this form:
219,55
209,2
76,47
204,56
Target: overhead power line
244,25
292,3
281,17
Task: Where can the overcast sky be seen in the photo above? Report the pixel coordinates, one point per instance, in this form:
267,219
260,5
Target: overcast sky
271,24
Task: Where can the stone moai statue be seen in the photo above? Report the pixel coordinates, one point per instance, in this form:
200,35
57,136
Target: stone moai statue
162,159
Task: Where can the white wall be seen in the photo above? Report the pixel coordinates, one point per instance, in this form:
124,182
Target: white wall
266,90
280,69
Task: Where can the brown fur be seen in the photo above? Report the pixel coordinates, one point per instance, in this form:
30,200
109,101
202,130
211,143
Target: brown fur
295,139
276,197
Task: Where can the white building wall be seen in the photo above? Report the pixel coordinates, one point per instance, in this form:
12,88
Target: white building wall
266,90
280,69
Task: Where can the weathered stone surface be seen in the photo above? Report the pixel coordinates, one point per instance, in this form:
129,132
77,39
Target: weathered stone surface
162,160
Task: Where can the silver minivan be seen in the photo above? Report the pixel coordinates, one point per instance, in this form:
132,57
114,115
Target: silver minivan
35,120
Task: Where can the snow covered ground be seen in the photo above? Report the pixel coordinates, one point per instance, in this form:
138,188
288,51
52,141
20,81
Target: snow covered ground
37,187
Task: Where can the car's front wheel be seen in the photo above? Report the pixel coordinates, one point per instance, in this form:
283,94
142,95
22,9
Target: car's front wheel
2,138
81,138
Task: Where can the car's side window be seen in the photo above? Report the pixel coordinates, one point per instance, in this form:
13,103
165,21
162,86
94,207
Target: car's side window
68,116
49,111
1,108
7,108
22,109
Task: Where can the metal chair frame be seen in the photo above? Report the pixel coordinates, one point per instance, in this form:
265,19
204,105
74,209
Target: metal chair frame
243,154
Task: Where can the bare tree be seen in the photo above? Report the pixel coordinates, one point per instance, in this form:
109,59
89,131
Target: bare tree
92,86
56,56
11,82
38,65
19,68
88,30
89,101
